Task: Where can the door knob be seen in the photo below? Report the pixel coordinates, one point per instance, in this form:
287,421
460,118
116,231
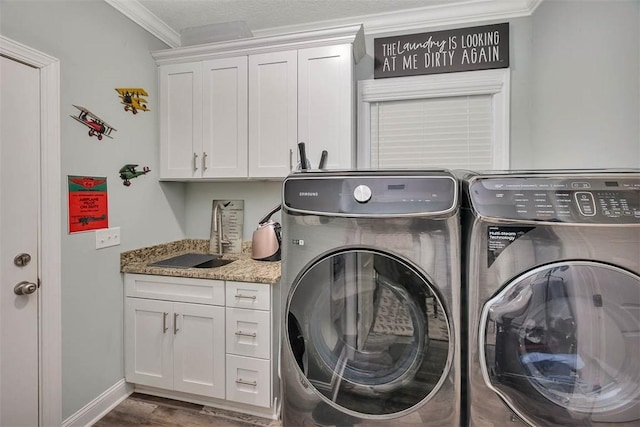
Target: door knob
25,288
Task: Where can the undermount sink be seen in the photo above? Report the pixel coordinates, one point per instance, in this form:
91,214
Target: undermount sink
219,262
193,261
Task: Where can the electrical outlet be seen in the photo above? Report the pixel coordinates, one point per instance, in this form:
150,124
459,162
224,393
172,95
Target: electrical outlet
107,237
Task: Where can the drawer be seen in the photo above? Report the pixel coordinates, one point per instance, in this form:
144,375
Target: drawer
248,332
256,296
181,289
249,380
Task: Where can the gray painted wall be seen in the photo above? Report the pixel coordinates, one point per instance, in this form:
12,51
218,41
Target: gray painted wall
585,84
575,95
259,198
99,49
568,95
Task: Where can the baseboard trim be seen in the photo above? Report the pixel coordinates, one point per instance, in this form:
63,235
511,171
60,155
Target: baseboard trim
100,406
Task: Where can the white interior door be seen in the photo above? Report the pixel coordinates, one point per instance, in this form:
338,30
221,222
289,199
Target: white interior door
19,213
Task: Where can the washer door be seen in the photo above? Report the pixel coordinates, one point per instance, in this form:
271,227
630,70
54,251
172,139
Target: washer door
561,344
368,332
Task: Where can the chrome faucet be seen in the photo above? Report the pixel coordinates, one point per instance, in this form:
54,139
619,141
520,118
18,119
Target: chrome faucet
217,227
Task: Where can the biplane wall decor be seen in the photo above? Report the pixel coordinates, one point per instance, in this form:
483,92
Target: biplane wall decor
128,172
96,125
132,99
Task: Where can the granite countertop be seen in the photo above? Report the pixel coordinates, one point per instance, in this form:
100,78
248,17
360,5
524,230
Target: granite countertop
244,269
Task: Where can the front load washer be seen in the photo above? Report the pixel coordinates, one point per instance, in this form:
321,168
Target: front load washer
371,299
553,291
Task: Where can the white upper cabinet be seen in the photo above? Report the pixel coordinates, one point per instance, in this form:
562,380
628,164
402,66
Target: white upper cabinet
180,120
273,86
238,109
224,123
326,105
203,119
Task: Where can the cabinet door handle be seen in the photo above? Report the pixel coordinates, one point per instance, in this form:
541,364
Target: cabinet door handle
253,297
195,162
164,322
251,383
246,334
175,323
290,159
204,161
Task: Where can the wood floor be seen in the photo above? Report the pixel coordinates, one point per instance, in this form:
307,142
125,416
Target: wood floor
144,410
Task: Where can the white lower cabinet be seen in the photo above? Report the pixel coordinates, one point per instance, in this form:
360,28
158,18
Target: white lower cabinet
248,380
204,338
198,350
249,343
149,346
249,332
175,346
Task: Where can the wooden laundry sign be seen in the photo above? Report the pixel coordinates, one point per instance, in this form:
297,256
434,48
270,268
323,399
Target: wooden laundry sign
462,49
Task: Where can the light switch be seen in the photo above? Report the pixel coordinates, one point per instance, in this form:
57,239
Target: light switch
107,237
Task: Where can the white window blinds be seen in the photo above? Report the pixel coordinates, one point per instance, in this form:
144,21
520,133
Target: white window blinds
454,132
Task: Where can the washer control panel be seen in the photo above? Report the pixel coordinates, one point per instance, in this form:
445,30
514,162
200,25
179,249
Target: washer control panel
367,193
603,200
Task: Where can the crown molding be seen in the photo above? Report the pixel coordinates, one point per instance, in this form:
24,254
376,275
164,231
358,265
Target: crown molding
351,34
472,11
139,14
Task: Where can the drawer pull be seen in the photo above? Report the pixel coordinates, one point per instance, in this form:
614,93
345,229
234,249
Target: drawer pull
245,334
253,297
251,383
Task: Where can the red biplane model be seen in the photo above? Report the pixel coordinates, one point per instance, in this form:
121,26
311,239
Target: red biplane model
96,125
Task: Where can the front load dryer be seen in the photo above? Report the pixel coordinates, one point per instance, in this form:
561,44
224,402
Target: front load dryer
371,299
553,291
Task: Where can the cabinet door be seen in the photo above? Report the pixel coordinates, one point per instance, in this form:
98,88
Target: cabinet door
199,349
224,110
273,114
148,342
180,120
326,105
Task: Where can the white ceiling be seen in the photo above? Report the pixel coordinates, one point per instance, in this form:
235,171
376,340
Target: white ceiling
232,19
266,14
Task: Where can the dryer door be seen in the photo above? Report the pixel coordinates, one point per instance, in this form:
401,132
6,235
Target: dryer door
369,333
561,344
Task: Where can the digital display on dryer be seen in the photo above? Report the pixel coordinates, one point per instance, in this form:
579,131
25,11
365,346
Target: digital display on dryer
558,200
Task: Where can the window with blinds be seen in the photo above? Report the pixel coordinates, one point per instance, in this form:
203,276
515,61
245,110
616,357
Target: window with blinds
451,121
453,132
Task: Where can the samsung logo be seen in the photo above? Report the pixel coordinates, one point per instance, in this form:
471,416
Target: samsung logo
308,194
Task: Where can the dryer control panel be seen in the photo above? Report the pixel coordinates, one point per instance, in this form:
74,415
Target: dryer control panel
599,200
